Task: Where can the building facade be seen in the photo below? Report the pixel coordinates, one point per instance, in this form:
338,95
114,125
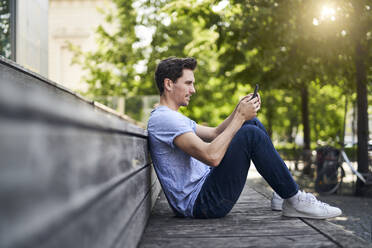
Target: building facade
74,22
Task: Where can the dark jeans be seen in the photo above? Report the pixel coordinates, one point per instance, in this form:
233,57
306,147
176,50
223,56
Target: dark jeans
225,182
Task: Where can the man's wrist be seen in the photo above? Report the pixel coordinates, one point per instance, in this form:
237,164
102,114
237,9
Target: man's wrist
239,119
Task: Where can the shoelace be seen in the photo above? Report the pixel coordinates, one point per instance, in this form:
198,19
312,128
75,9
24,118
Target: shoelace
312,199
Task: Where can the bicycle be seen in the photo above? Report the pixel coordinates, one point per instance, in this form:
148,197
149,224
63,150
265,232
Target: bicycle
330,171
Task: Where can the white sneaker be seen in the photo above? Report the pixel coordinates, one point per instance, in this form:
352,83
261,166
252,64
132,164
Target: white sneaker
276,202
307,206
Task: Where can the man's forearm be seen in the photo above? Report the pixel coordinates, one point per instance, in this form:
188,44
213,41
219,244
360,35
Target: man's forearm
219,145
220,128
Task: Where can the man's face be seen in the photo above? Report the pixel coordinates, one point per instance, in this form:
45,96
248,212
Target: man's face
183,88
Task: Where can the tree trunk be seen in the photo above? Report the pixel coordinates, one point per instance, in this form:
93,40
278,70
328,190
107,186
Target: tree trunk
306,125
344,127
362,111
305,115
360,29
270,112
270,126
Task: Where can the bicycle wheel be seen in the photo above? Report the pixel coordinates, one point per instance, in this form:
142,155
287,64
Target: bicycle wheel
329,178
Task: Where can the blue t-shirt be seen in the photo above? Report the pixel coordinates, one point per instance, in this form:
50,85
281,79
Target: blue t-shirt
180,175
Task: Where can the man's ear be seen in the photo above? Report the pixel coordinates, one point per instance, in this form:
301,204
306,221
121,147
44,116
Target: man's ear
168,84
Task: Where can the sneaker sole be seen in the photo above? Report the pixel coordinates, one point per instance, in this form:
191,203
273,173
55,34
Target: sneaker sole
276,209
303,215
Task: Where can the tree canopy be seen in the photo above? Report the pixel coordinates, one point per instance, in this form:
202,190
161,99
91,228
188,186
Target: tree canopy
310,58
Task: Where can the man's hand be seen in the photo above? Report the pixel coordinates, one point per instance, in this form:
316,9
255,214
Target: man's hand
247,109
249,97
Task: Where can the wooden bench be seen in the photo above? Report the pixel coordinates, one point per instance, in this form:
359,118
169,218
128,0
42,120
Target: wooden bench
72,172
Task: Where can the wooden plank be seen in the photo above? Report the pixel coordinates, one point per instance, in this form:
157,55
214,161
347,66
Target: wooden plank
338,234
310,241
26,95
99,224
39,146
227,227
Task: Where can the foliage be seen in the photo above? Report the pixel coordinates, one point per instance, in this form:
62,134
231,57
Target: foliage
237,43
134,107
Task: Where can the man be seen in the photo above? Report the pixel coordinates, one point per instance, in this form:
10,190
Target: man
202,169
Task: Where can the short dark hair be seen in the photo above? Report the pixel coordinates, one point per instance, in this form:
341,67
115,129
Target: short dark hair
172,68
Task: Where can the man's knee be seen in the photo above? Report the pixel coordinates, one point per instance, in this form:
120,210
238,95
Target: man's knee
250,129
250,133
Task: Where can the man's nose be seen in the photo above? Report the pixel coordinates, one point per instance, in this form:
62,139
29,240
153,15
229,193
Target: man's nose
192,90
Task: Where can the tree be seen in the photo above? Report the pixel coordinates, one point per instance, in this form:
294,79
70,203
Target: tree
362,24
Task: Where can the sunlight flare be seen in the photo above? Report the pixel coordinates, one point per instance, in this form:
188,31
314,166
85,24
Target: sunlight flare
328,13
315,22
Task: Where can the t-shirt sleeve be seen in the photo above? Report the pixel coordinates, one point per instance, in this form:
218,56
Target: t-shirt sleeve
173,125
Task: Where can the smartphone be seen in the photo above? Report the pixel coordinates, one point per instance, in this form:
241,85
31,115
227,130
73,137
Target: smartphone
255,92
